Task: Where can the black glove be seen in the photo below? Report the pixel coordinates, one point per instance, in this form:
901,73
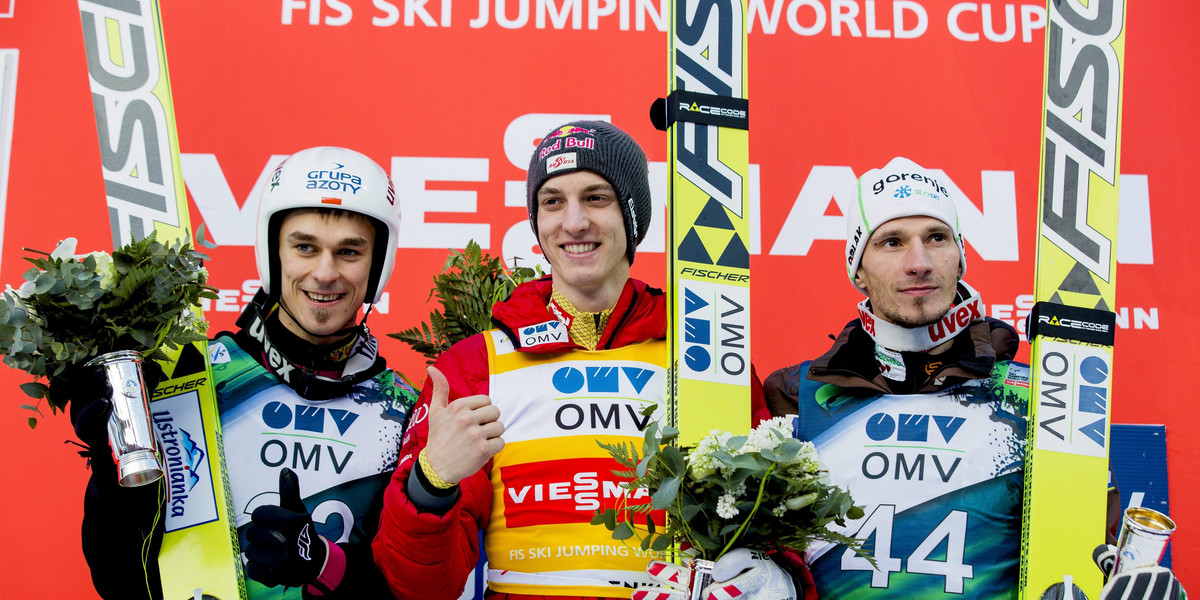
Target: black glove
282,547
88,391
1144,583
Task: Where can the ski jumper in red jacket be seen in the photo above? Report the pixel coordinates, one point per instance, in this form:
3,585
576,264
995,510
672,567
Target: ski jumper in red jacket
429,555
576,359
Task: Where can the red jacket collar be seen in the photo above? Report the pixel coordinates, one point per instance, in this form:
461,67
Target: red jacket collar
639,315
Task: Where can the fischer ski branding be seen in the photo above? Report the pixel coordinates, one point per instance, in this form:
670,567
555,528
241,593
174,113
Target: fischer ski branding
707,117
143,181
1072,325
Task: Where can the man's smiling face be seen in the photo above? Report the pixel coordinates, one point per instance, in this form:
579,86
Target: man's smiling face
325,262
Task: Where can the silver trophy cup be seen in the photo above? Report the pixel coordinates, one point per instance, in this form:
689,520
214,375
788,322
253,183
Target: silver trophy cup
129,432
1144,536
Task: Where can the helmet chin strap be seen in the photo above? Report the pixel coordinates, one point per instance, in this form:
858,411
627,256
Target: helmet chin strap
339,333
965,309
363,363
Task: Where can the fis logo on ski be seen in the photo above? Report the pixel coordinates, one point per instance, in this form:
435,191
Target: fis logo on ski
218,354
550,332
191,499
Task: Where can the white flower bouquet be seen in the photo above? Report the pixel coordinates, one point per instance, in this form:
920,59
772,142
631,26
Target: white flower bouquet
765,491
70,309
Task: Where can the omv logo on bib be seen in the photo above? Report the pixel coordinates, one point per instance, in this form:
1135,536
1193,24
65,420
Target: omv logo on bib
550,332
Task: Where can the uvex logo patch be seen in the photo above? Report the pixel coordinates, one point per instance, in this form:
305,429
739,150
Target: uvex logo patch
868,321
956,319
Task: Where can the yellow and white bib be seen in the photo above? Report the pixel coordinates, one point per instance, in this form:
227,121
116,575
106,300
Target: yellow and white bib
552,477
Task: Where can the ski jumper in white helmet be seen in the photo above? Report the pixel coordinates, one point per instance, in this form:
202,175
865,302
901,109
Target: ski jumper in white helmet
335,179
331,178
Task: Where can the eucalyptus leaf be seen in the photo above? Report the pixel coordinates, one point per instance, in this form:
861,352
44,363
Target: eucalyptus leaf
643,466
669,434
689,512
35,389
747,461
673,459
661,543
622,531
665,494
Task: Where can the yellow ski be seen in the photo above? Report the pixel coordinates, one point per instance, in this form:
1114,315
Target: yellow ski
708,219
139,148
1072,325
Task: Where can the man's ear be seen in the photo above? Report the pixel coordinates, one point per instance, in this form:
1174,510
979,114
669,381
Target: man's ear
858,281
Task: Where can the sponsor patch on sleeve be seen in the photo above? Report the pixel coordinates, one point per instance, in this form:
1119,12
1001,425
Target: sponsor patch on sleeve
218,353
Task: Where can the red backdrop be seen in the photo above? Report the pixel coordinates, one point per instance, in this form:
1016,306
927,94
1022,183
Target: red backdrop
443,101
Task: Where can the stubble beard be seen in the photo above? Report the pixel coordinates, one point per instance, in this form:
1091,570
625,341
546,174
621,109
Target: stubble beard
922,319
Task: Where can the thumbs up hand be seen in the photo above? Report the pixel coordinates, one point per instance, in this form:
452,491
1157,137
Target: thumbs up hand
282,548
463,435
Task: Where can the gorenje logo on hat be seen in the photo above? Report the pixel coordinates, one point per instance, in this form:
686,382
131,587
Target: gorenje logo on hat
905,191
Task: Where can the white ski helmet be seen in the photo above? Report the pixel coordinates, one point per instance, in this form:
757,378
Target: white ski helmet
332,178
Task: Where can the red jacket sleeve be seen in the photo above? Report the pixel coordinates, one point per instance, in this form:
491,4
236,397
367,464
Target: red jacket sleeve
759,411
424,555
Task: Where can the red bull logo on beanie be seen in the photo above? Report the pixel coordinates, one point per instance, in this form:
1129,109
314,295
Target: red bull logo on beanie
569,142
566,130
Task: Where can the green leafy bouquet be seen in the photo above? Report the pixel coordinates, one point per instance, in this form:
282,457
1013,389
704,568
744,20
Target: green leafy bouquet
765,490
71,309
